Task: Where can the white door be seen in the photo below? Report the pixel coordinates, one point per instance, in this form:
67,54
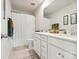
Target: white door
53,52
5,42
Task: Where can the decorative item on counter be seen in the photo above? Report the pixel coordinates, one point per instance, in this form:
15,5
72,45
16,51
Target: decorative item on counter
63,31
55,28
37,31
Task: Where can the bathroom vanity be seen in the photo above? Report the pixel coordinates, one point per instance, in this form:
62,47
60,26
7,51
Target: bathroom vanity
55,46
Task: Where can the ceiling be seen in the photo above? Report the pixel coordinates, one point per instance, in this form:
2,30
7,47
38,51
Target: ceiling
56,5
26,5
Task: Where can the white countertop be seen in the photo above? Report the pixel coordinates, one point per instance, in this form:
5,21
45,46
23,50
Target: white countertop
61,36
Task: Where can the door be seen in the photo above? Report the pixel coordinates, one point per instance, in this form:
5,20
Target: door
53,52
5,42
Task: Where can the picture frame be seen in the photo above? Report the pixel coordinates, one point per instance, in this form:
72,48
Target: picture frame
65,20
73,18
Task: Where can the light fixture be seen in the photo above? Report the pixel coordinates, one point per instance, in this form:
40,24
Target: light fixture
47,2
33,3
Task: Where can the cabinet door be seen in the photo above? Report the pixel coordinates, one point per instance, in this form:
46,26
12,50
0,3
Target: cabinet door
66,45
43,50
66,55
53,52
38,46
35,43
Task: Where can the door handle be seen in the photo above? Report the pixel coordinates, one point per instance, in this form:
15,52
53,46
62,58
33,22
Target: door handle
4,36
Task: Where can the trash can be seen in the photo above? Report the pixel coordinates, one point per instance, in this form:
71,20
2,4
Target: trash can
30,43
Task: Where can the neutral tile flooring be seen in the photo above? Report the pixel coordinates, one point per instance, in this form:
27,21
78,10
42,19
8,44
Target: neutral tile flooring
23,53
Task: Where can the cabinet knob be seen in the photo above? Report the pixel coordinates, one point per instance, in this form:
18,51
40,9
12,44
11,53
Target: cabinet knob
59,53
62,56
43,57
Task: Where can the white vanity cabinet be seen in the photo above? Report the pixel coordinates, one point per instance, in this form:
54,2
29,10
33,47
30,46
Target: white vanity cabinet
66,55
64,44
36,38
40,45
61,49
49,46
57,53
35,44
44,47
53,52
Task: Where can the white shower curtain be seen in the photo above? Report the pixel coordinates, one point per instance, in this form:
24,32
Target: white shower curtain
24,27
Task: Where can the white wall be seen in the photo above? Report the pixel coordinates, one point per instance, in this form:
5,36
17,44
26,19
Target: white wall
39,15
57,17
41,23
22,12
39,19
24,27
46,24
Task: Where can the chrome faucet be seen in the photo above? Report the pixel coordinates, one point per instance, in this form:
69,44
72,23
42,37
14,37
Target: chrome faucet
64,31
73,32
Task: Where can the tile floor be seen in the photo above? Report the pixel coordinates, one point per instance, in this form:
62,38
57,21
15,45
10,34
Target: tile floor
23,53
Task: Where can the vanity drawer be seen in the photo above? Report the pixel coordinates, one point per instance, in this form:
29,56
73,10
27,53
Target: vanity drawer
66,45
37,35
43,37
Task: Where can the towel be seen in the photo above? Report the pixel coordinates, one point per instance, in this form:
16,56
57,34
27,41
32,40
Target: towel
10,27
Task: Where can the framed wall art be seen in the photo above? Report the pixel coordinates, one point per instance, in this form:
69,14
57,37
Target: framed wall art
73,18
65,20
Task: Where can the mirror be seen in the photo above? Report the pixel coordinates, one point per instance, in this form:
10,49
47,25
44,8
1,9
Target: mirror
59,8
